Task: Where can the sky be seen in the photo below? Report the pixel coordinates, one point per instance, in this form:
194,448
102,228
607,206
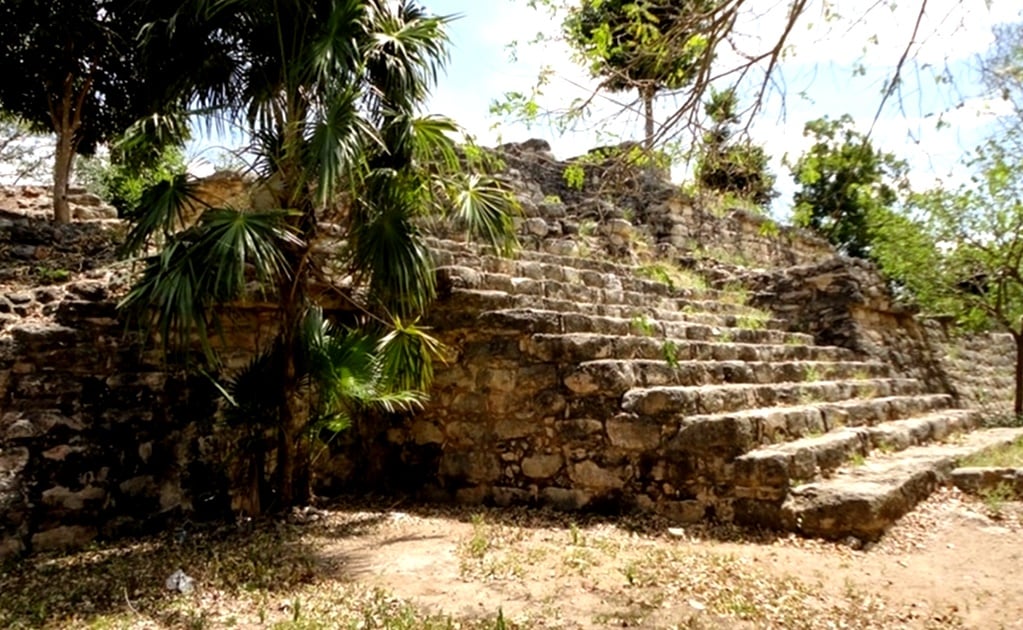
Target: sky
833,67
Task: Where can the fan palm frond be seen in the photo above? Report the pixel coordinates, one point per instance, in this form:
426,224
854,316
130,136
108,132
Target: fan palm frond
387,248
484,209
164,208
207,265
406,354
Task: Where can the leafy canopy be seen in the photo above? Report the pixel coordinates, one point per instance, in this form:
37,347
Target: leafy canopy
842,181
728,165
645,43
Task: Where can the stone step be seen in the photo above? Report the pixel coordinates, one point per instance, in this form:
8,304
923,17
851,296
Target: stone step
568,348
733,434
768,473
448,252
538,321
669,401
464,304
659,306
864,500
454,281
613,377
587,271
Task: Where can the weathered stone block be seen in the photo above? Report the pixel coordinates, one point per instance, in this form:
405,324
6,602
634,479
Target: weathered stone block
631,433
470,467
504,496
425,432
512,428
588,474
467,433
542,466
63,537
681,511
564,499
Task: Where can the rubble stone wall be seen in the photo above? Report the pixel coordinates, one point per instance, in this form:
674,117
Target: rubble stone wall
98,437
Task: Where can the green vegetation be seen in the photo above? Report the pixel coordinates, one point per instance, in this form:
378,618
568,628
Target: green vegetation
730,167
670,352
48,275
995,498
336,137
672,275
73,69
122,180
845,185
575,176
811,374
645,46
752,319
1009,456
644,325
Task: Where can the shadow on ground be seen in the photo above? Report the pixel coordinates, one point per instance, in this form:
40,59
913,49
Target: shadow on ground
129,576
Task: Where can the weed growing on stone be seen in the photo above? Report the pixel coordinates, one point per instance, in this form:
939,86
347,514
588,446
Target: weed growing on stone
885,447
670,352
587,227
643,325
480,542
48,275
811,374
754,319
578,540
857,460
672,275
1009,456
995,498
734,294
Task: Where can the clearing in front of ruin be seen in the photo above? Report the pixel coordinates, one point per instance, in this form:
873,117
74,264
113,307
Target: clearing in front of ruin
946,565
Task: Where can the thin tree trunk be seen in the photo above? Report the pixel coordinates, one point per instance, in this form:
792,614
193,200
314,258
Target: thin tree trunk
1017,407
66,116
62,163
647,93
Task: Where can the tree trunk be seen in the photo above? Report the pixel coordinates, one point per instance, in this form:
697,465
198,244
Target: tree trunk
62,163
292,465
647,93
1017,407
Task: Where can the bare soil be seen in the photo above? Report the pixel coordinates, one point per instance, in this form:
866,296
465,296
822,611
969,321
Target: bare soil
953,563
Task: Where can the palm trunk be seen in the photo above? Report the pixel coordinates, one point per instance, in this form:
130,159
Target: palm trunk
647,93
292,454
1017,407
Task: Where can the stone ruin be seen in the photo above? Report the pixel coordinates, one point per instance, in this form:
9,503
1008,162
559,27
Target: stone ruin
765,380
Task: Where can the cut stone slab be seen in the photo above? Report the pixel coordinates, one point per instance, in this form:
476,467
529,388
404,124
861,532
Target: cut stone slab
864,501
977,480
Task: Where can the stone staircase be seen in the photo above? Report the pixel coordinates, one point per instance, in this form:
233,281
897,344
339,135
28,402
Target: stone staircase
577,383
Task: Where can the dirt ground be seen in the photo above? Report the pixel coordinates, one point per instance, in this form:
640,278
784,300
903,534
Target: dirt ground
949,564
956,562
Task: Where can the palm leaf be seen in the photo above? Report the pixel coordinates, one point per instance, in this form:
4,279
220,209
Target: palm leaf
205,266
406,355
387,247
163,209
484,209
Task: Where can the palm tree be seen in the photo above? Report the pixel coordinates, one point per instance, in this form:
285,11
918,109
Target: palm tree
330,93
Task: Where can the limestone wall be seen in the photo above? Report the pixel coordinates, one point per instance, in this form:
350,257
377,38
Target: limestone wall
845,302
97,437
675,221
